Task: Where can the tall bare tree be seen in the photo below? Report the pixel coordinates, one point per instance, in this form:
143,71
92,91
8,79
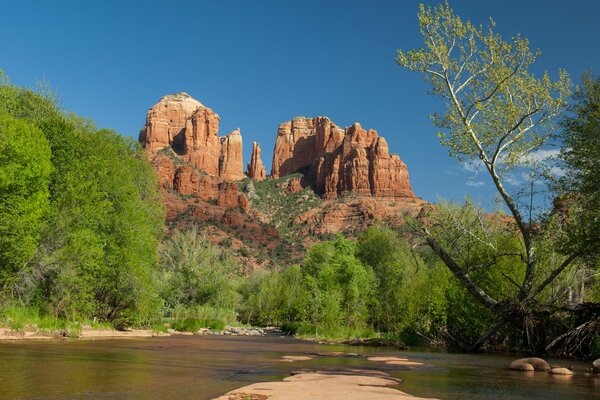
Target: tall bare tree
497,114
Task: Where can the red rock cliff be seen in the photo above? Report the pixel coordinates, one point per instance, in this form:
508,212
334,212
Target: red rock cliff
230,160
191,130
337,161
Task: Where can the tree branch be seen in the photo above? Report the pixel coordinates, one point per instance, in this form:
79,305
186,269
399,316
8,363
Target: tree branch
460,274
551,277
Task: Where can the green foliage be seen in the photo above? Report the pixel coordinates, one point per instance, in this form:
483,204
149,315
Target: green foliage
193,318
341,286
95,252
497,114
596,346
466,318
31,318
495,107
274,298
105,227
409,292
581,141
195,272
281,207
24,192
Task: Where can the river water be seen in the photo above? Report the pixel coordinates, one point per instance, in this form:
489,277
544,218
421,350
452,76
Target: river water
203,367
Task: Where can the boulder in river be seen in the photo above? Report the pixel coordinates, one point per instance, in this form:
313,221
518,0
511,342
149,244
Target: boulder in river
561,371
596,366
519,365
538,364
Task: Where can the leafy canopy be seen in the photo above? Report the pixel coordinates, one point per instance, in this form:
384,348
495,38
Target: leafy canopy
497,110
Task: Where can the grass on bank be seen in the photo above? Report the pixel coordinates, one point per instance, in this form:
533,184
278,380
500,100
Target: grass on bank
32,319
335,333
192,319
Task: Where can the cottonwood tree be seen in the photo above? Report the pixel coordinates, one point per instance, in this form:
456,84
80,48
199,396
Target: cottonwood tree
497,114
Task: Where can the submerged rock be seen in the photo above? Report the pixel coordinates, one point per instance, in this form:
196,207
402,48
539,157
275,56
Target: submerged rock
538,364
518,365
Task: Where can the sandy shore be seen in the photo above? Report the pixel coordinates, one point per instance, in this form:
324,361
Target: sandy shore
8,334
324,385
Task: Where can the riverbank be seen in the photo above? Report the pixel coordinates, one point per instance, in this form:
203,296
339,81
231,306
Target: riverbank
32,333
345,384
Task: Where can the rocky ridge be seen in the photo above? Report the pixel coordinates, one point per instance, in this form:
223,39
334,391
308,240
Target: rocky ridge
325,179
339,161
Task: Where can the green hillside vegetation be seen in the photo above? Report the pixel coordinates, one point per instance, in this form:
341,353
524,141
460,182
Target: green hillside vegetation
269,197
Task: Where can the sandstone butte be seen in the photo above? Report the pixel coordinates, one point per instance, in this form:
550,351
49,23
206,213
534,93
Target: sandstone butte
337,161
190,129
181,135
197,170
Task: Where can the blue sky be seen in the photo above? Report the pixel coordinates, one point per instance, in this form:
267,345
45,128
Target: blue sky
259,63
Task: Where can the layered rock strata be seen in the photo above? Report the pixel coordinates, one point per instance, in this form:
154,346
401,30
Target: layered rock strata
336,161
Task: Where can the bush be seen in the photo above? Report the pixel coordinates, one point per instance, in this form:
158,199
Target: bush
195,272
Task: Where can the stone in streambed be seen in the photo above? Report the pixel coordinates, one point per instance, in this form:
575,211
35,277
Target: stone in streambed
538,364
520,366
561,371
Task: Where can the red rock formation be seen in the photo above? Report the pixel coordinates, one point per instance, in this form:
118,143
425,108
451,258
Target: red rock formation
193,164
294,186
337,161
166,121
201,146
188,181
230,159
191,131
229,197
354,214
165,170
256,169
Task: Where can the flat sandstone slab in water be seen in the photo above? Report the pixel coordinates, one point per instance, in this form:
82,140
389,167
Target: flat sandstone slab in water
317,385
396,361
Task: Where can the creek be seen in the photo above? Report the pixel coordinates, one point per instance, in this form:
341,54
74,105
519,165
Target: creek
203,367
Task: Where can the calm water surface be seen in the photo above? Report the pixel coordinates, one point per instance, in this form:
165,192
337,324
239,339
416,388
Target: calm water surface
202,367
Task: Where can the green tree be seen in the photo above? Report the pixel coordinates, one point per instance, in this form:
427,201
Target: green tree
196,272
409,293
581,156
275,298
24,196
96,256
99,255
497,113
340,285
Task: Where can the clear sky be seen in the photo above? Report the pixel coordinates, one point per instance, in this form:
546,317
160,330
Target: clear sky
259,63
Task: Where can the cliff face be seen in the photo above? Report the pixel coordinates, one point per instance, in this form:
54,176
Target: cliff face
336,161
166,122
191,130
231,166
